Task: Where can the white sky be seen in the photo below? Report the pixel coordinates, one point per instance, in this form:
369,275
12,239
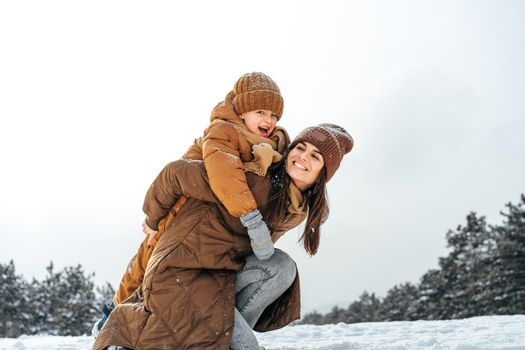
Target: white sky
96,97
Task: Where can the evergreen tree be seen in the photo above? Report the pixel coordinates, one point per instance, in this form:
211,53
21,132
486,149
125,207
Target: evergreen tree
336,315
312,318
430,290
465,268
398,301
506,287
366,309
81,310
45,301
65,302
451,291
13,302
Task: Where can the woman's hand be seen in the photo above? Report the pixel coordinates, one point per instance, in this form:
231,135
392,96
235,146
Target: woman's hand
152,240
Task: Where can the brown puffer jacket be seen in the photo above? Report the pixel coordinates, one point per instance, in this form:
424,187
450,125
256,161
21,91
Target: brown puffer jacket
187,297
224,147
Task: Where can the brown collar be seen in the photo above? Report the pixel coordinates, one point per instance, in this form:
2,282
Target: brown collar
297,202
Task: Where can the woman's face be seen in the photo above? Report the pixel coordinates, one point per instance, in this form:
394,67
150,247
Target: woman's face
304,164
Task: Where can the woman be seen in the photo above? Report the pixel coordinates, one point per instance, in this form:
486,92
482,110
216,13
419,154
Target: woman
202,284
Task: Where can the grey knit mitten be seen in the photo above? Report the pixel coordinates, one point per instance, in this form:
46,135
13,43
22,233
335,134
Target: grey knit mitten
260,237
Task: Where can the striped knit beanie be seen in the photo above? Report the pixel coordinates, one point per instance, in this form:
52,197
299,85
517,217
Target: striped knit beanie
332,141
255,91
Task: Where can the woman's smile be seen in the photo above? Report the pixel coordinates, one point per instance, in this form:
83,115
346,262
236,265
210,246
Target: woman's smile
299,165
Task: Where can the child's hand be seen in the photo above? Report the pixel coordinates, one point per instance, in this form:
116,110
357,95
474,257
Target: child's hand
148,231
260,238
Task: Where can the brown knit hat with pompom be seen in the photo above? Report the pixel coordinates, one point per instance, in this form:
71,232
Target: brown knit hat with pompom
332,141
255,91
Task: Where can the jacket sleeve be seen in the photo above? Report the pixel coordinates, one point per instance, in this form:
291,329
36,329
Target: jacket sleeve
179,178
225,169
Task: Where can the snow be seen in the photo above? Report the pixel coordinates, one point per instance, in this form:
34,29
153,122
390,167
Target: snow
477,333
46,343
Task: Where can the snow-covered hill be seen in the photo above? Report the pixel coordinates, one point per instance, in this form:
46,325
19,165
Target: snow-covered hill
478,333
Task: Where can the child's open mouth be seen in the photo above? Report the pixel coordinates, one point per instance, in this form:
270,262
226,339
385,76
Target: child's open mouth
263,131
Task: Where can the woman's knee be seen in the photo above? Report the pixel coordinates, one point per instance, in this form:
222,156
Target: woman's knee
287,270
280,268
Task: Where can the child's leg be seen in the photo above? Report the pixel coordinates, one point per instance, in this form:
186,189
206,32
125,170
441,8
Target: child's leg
136,269
130,282
134,273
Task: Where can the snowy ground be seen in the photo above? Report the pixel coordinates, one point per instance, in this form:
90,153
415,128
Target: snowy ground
488,332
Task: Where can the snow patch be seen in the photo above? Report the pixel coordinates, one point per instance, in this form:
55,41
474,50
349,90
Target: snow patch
477,333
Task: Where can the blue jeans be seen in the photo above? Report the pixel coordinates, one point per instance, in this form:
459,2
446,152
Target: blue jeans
258,285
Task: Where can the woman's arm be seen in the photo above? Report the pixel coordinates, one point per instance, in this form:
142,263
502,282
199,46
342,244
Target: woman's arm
179,178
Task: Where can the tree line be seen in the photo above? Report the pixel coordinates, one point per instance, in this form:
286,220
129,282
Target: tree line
65,302
483,274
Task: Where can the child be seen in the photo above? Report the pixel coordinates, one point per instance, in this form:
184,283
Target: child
242,136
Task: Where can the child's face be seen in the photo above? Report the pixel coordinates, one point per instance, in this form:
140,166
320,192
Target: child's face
260,122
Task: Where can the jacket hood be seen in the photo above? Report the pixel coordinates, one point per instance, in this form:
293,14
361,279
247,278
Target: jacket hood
224,110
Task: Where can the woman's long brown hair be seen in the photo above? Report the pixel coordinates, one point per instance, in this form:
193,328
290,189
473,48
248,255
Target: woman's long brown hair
316,202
